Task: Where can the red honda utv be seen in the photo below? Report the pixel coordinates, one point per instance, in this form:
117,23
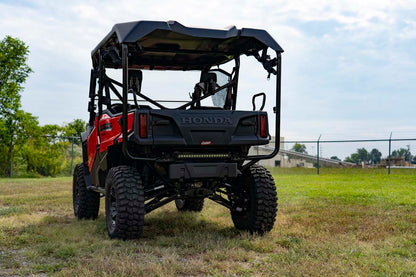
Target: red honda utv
141,154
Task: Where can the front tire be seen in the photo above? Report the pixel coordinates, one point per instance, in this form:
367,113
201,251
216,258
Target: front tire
86,202
124,203
254,200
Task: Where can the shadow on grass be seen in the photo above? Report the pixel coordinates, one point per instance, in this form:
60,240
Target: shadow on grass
174,223
164,223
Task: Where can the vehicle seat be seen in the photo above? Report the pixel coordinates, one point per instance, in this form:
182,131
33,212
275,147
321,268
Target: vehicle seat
209,80
118,108
206,85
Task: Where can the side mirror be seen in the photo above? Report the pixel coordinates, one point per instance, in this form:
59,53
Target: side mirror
135,79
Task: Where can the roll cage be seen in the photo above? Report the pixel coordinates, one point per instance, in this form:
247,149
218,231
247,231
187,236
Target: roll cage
169,45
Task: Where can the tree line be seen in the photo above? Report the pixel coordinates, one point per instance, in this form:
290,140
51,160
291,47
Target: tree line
374,156
363,155
36,150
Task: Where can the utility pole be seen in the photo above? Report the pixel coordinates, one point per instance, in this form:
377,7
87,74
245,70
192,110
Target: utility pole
317,154
390,151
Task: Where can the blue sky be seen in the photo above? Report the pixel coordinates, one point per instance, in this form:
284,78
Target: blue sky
349,67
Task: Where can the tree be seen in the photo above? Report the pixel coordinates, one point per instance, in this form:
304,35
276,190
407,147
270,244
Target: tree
13,73
301,148
375,156
354,158
402,152
361,155
74,128
44,152
335,158
25,125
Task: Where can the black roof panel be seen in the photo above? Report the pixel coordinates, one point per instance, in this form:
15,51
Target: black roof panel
172,46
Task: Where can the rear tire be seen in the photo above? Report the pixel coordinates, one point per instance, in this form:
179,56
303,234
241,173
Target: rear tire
86,202
191,205
124,203
254,201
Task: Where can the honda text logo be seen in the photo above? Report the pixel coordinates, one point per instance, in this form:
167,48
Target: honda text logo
217,120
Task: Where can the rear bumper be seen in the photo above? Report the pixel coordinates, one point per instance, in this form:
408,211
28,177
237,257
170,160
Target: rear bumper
202,170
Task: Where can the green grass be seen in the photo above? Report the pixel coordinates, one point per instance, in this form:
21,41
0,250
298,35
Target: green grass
341,223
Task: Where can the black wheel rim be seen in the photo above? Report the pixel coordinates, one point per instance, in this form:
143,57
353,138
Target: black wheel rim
243,202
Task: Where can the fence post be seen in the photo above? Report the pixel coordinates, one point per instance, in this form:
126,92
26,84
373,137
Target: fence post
389,152
11,156
72,154
317,154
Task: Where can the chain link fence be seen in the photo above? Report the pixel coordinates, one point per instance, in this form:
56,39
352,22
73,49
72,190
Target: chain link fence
320,153
385,153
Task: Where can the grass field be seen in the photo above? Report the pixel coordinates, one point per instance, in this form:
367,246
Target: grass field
341,223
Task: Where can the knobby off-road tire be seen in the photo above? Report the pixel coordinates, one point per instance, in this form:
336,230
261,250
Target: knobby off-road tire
124,203
192,205
86,202
255,201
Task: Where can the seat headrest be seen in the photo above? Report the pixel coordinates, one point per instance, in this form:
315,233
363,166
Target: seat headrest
208,77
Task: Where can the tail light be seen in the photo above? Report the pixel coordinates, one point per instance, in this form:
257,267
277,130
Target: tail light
263,126
143,125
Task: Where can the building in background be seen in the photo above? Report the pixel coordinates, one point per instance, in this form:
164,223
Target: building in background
288,158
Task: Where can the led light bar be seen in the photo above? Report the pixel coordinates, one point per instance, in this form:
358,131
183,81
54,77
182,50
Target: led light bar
202,156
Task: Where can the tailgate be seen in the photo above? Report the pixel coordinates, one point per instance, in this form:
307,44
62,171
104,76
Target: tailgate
202,127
